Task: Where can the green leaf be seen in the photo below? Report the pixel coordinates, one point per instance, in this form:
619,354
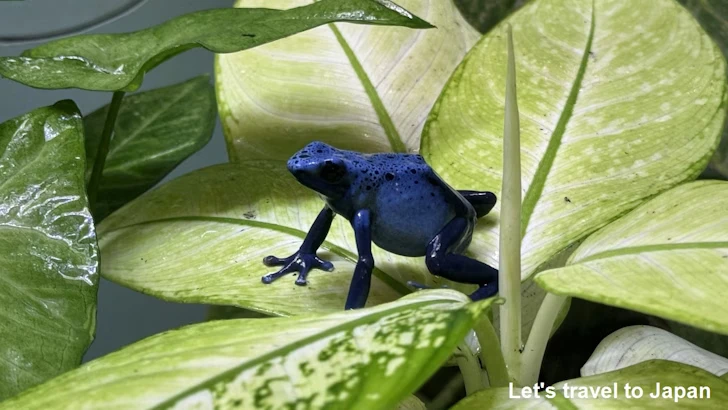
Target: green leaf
618,101
48,253
636,344
155,131
356,87
202,238
411,403
644,376
359,359
110,62
669,258
485,14
713,16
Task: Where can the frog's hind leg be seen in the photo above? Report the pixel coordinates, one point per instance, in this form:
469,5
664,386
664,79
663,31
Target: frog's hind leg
482,201
441,261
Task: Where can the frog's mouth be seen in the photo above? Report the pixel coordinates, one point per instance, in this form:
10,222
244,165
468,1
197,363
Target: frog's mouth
325,189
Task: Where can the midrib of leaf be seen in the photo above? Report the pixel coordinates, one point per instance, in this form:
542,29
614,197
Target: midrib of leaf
148,121
39,156
536,187
295,345
635,250
395,140
396,286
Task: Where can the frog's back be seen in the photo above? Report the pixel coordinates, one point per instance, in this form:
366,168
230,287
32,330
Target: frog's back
409,203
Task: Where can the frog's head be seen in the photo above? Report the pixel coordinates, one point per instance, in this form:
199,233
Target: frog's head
322,168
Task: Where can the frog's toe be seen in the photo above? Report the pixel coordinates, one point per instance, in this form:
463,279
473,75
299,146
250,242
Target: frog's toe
269,278
324,264
418,285
301,279
271,260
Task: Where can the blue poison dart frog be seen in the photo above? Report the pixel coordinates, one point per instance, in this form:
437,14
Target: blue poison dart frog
397,201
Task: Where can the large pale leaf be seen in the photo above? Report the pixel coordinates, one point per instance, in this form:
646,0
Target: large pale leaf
356,87
644,376
48,254
713,16
154,132
118,61
636,344
203,237
669,257
361,359
618,101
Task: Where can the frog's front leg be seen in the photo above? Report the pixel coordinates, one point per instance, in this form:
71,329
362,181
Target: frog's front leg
362,279
441,261
305,258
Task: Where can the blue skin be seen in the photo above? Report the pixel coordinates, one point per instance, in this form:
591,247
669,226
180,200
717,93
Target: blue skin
397,201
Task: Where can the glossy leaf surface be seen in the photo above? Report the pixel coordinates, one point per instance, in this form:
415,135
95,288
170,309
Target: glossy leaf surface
154,132
356,87
643,376
48,253
109,62
636,344
669,257
618,101
361,359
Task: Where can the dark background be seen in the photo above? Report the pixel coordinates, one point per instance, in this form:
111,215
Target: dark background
124,316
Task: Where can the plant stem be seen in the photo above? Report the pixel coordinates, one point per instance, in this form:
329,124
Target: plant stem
447,395
103,149
509,277
539,336
490,354
470,369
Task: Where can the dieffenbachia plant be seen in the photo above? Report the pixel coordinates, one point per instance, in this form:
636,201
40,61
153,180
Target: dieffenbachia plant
605,113
48,252
619,106
363,359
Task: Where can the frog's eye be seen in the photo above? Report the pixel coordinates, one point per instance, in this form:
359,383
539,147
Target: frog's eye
332,173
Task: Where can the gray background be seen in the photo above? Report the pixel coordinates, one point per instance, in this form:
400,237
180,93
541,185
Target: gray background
124,315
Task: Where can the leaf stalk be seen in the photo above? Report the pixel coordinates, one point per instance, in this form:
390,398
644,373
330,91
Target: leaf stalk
103,149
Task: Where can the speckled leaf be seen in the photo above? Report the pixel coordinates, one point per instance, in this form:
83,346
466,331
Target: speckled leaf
361,359
110,62
713,16
644,376
356,87
635,344
669,257
202,238
411,403
48,254
154,132
485,14
618,101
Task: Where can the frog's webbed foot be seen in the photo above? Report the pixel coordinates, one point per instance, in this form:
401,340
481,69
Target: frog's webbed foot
298,262
419,286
